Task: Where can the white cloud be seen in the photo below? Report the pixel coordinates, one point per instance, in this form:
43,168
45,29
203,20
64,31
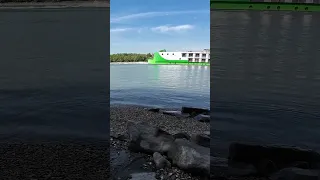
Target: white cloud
167,28
153,14
116,30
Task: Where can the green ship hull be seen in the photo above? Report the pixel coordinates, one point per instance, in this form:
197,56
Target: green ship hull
157,59
263,6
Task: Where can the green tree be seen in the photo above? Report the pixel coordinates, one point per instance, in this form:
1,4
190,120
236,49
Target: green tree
130,57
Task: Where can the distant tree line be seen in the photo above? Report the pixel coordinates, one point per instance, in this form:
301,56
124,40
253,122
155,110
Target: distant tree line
130,57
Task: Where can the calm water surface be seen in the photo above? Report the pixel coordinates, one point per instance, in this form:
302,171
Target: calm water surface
265,78
169,86
54,72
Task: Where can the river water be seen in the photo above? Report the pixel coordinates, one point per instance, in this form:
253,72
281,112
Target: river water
54,72
265,78
164,86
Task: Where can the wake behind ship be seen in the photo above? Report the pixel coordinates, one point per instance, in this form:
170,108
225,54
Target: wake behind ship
181,58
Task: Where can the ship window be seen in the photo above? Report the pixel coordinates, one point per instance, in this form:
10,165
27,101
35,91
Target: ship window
172,53
161,53
203,55
190,54
179,58
197,55
208,60
196,60
184,54
167,53
190,59
203,60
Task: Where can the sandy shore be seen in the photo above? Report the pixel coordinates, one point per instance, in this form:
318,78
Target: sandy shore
55,160
65,4
120,115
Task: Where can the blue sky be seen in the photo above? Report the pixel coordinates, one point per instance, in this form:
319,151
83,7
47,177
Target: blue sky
146,26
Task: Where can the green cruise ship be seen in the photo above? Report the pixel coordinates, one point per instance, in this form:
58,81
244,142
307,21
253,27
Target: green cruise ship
267,5
181,58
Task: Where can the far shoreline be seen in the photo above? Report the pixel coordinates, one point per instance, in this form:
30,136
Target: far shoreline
53,5
139,62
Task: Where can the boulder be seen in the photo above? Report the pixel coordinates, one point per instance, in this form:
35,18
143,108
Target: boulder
268,159
160,161
190,157
154,110
221,166
149,139
296,174
144,176
241,169
201,139
218,164
176,113
202,118
182,135
194,111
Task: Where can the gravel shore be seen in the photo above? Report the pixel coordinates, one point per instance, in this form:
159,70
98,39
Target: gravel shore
54,160
124,162
120,115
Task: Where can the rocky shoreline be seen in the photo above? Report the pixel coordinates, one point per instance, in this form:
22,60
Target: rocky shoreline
172,128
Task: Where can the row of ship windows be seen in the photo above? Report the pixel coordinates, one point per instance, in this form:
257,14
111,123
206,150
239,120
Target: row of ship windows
190,54
198,60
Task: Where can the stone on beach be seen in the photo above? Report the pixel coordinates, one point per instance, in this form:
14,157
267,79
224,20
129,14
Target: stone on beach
154,110
176,113
201,139
160,161
121,116
194,111
202,118
296,174
143,176
183,153
182,135
269,159
149,139
190,156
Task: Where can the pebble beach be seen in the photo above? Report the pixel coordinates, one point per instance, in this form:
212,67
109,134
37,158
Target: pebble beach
120,115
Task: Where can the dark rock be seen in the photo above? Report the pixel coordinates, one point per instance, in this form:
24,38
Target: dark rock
121,137
266,166
268,159
202,118
241,169
176,113
201,139
160,161
146,138
194,111
143,176
154,110
182,135
300,164
296,174
218,164
190,157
